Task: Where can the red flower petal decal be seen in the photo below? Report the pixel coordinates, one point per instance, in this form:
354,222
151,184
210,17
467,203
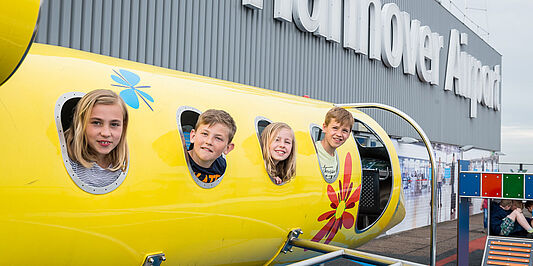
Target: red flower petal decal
355,196
343,199
349,191
324,231
333,196
347,220
334,229
347,172
326,215
341,193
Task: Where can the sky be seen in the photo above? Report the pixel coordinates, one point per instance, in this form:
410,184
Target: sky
508,23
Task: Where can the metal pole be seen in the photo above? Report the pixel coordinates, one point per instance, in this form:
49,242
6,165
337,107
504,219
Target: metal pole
320,259
348,253
425,139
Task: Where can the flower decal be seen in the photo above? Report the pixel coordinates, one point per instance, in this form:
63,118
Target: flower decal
341,201
131,94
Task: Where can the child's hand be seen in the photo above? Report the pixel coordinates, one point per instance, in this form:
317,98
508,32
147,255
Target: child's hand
277,180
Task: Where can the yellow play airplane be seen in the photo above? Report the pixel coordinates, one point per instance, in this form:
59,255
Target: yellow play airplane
48,217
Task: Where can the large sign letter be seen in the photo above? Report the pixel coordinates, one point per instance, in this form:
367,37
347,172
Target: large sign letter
330,20
496,87
305,21
283,10
411,30
453,69
392,35
438,43
360,17
423,63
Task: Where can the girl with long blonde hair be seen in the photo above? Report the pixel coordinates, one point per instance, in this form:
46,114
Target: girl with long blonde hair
96,139
279,151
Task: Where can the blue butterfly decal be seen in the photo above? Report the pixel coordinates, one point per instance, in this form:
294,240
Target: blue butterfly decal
129,80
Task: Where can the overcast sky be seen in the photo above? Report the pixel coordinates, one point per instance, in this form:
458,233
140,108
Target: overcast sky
509,25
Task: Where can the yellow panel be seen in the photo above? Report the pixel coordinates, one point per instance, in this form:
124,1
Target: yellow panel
17,25
158,207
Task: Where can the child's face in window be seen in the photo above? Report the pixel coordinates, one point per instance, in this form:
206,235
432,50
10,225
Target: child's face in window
104,129
335,134
281,146
209,143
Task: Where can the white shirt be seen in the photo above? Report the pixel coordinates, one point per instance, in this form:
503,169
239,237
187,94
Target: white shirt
329,165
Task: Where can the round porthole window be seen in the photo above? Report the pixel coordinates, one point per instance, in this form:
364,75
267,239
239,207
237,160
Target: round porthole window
329,166
187,117
93,180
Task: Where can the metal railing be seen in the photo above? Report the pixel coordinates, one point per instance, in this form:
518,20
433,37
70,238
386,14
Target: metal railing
333,252
429,148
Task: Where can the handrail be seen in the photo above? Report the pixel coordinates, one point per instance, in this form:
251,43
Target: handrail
333,252
427,143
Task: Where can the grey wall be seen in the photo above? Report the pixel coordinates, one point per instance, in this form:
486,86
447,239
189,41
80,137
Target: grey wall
226,40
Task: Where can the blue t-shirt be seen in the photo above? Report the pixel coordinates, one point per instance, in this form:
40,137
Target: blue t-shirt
211,174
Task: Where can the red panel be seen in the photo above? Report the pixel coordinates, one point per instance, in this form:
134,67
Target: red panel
491,185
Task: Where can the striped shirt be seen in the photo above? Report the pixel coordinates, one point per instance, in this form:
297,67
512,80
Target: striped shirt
95,176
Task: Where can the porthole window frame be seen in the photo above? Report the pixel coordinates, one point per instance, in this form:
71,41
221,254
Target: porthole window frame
376,135
66,160
256,124
311,126
201,184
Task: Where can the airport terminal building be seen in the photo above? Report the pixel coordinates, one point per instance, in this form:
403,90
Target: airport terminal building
410,54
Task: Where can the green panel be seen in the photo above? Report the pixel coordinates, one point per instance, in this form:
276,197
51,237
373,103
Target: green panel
513,186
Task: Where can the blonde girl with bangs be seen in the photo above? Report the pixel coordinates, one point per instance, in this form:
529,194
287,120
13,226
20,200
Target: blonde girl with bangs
279,146
96,139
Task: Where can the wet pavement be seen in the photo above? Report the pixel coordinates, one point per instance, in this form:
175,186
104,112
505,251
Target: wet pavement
414,245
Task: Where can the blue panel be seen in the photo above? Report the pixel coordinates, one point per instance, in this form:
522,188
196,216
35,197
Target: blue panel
463,229
464,164
529,186
469,184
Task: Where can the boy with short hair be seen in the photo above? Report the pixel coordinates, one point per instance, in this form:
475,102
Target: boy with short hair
503,218
210,138
337,127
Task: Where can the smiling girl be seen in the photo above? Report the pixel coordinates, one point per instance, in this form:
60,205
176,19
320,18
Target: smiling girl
96,139
278,145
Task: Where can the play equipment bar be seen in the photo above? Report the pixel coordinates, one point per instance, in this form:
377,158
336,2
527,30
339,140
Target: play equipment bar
427,143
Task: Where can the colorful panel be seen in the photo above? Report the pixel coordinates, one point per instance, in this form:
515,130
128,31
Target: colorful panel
513,185
529,186
469,184
491,185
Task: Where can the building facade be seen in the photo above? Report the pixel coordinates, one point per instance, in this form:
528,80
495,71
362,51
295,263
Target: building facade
269,47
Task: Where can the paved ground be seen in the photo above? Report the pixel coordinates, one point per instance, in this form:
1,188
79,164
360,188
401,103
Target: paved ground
414,245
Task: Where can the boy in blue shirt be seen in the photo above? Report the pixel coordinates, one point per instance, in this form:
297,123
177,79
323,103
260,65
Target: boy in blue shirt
211,138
